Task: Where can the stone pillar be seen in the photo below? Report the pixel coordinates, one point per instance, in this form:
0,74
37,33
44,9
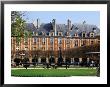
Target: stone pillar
39,60
47,60
80,60
88,59
71,60
56,59
30,59
64,60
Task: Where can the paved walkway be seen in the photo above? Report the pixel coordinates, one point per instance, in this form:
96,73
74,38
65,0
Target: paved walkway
52,68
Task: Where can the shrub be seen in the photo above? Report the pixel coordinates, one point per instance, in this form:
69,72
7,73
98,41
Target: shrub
17,61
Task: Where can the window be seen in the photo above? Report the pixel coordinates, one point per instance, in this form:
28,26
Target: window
60,33
35,40
51,40
43,48
18,44
26,41
43,41
34,48
83,43
26,48
52,34
98,41
94,29
33,33
76,43
92,42
67,33
68,46
60,40
83,35
17,49
75,34
91,34
68,41
36,34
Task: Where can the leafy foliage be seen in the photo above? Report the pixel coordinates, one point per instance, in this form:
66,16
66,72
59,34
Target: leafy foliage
17,61
18,26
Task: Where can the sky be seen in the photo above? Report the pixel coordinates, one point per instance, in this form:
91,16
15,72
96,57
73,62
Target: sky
91,17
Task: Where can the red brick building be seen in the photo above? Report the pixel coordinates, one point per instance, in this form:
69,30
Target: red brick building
59,35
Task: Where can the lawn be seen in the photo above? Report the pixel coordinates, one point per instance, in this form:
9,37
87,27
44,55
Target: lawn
52,72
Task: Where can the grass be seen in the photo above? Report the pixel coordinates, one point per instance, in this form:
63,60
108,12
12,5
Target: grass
52,72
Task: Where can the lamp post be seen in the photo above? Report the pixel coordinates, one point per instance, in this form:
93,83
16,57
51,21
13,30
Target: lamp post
51,53
60,59
98,67
22,54
17,53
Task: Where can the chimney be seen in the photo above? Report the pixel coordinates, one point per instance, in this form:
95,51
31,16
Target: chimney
69,24
37,23
54,25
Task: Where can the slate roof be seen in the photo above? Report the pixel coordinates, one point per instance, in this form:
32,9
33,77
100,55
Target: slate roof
76,28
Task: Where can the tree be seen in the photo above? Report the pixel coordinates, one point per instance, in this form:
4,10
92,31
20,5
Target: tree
17,61
18,26
17,23
34,60
26,63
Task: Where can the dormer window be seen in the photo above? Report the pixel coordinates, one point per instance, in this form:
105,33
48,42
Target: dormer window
51,33
59,33
67,33
94,29
83,34
91,34
75,35
34,48
33,33
76,28
43,33
36,34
